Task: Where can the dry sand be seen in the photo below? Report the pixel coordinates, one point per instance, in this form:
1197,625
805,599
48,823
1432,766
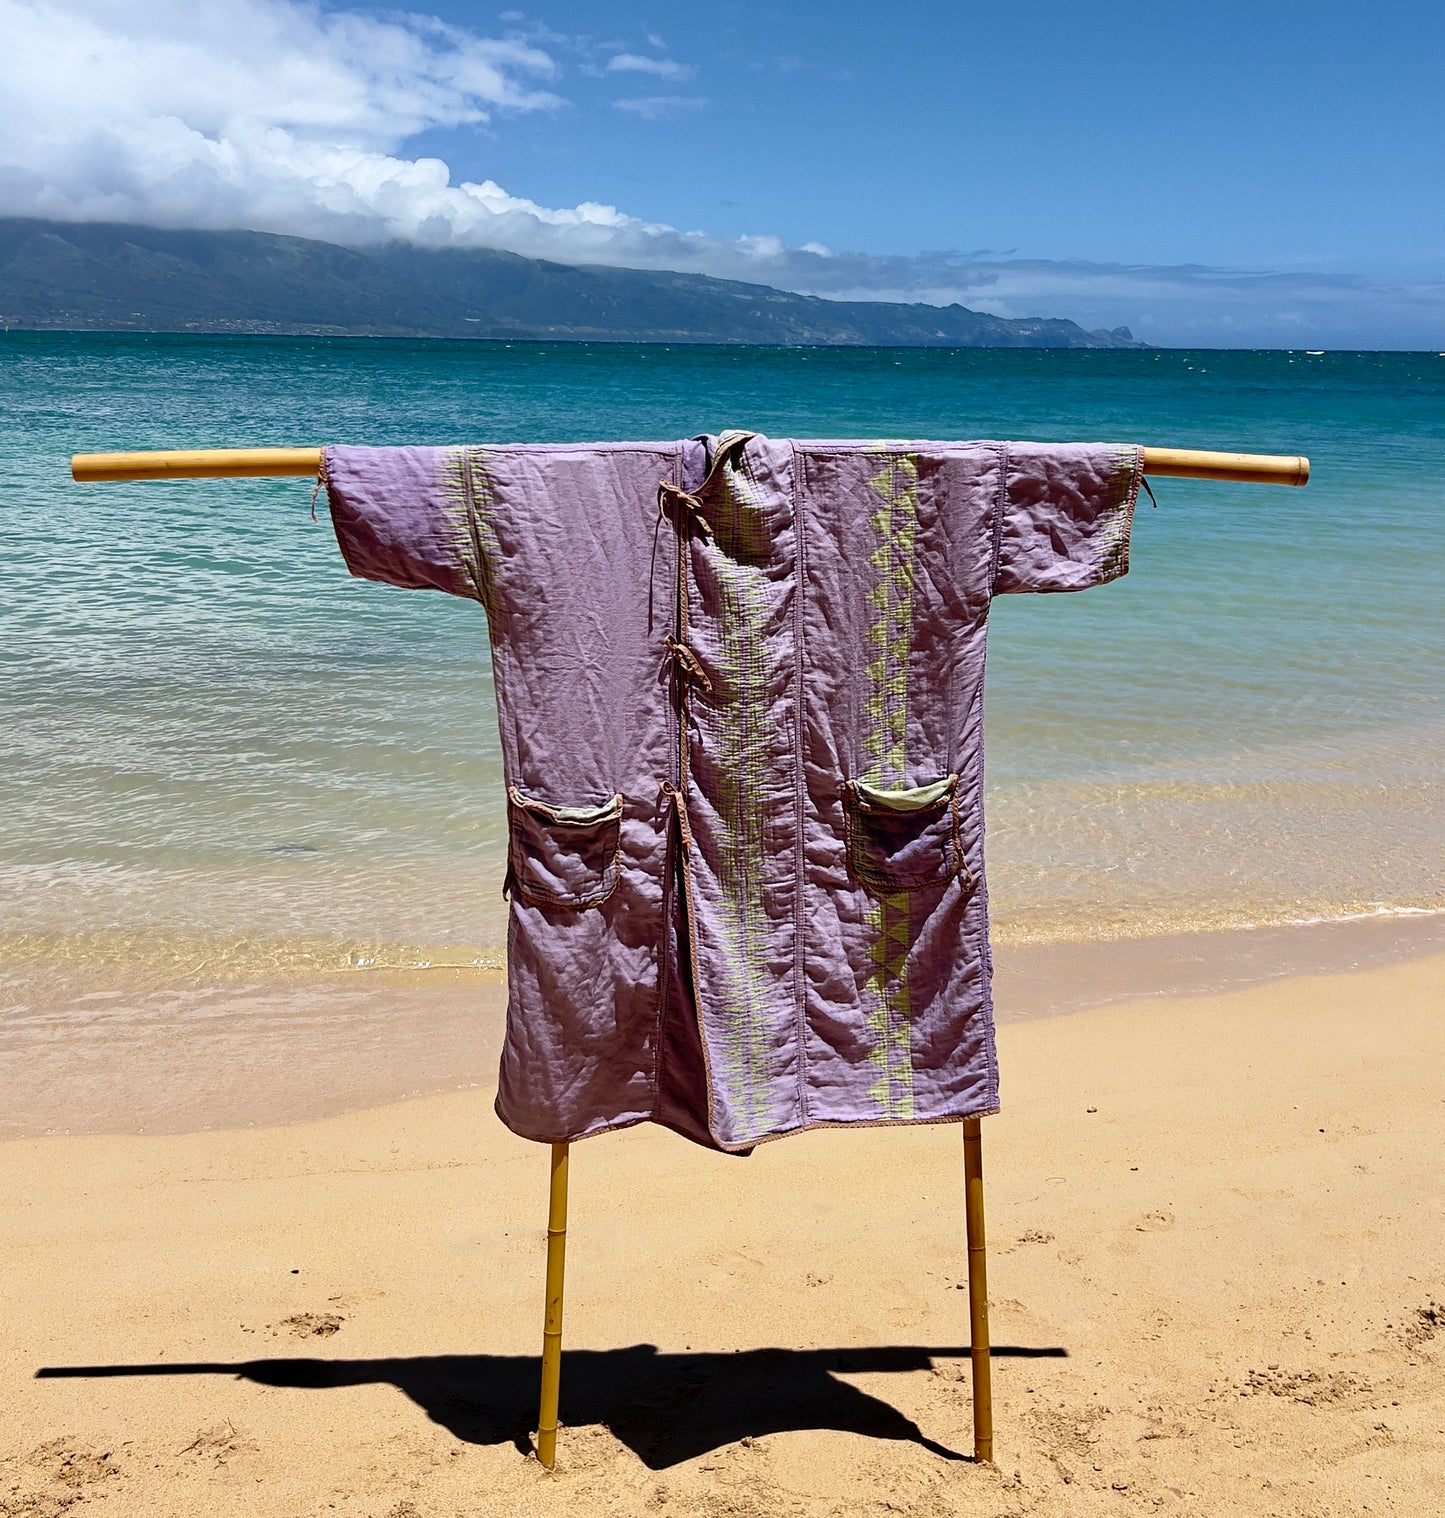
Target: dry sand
1217,1250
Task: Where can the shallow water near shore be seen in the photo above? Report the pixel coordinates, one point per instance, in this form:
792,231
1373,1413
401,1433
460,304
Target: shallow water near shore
260,1050
224,763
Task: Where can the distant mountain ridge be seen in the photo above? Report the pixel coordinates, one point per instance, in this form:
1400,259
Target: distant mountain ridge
109,276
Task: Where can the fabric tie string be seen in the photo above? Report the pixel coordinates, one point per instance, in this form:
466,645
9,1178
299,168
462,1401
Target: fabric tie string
669,792
691,511
682,658
320,481
674,501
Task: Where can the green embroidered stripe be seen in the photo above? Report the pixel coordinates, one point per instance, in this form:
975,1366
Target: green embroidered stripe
466,490
742,548
1114,538
889,635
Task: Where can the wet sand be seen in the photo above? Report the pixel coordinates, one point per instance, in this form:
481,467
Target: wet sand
123,1049
1217,1244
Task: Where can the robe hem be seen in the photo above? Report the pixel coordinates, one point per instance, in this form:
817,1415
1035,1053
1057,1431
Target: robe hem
748,1145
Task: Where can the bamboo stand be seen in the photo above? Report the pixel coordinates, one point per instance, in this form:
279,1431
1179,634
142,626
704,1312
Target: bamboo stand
552,1319
978,1341
225,463
978,1346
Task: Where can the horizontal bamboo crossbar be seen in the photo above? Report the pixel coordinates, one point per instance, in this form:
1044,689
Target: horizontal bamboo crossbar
236,463
195,463
1248,468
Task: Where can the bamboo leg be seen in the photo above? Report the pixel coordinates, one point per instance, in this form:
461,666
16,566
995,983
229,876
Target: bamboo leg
552,1325
977,1292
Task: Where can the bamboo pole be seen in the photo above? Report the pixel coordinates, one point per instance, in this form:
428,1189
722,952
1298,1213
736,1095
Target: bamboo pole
552,1321
977,1292
195,463
232,463
1249,468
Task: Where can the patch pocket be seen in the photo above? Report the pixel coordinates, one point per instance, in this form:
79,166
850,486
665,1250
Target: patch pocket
903,840
562,856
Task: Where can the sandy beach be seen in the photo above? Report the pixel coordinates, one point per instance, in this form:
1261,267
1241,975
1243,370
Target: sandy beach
1217,1252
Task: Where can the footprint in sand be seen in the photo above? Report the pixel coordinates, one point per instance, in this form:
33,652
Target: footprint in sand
221,1443
1028,1236
1423,1324
1311,1387
71,1463
310,1325
1152,1222
54,1477
734,1262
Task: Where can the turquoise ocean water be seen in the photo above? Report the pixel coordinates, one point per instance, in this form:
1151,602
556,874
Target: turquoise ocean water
219,754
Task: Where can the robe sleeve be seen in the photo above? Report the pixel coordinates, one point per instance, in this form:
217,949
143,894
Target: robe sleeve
1065,514
403,516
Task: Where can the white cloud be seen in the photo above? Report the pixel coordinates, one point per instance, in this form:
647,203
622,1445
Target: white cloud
637,63
237,112
655,107
283,116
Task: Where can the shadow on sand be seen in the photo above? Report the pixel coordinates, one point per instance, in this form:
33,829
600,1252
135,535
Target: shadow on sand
666,1407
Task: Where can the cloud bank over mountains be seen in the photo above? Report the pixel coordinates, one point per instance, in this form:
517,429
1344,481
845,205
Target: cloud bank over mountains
282,116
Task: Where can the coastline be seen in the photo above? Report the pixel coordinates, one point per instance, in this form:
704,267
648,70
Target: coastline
1216,1285
178,1056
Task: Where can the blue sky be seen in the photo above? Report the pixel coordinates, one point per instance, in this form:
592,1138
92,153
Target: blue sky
1264,174
1270,134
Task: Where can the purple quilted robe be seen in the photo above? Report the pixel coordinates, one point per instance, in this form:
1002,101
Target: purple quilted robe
740,685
